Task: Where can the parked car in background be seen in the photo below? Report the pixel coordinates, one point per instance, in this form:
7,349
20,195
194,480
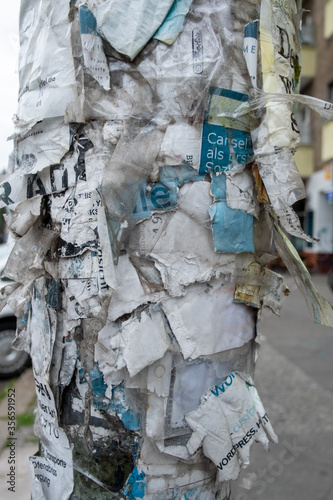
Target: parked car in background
12,361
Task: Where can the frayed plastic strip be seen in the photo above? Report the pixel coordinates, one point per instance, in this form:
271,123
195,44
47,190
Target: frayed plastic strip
259,99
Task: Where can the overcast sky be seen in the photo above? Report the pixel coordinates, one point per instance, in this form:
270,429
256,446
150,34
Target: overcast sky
8,75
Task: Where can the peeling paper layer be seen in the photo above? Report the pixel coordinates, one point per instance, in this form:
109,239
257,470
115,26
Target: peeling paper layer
191,257
92,46
128,31
281,70
54,179
44,145
195,319
173,23
152,148
51,473
47,84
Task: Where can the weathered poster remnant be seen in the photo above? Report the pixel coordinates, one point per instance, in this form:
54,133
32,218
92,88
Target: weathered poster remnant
153,165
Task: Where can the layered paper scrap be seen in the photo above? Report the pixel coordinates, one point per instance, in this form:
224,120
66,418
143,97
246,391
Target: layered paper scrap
153,163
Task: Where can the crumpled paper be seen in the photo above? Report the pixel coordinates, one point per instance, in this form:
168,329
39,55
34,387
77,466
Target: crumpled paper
153,163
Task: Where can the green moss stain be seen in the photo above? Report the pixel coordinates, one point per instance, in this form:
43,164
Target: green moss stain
110,463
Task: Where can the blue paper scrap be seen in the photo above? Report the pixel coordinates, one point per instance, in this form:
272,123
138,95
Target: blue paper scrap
130,418
174,21
135,485
251,30
163,194
88,25
232,229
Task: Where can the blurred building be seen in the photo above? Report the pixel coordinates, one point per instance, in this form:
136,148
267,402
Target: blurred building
317,80
314,157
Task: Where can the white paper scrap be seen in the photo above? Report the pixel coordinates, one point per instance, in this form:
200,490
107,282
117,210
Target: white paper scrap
226,424
51,476
206,321
181,243
52,472
142,341
130,292
42,324
44,145
128,28
21,218
46,65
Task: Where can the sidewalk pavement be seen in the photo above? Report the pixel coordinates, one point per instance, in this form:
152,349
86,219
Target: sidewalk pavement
25,443
301,412
294,380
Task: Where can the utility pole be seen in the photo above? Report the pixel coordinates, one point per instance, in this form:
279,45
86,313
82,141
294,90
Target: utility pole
153,163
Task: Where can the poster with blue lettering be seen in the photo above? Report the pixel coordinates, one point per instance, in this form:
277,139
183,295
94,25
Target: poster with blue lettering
162,195
226,139
226,145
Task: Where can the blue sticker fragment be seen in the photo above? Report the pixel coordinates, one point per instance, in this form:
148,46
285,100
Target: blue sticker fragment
98,385
88,24
226,145
226,140
117,404
163,194
130,418
173,23
23,320
232,229
135,487
53,296
251,30
180,173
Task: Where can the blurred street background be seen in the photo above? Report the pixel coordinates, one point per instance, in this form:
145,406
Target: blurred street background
294,380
